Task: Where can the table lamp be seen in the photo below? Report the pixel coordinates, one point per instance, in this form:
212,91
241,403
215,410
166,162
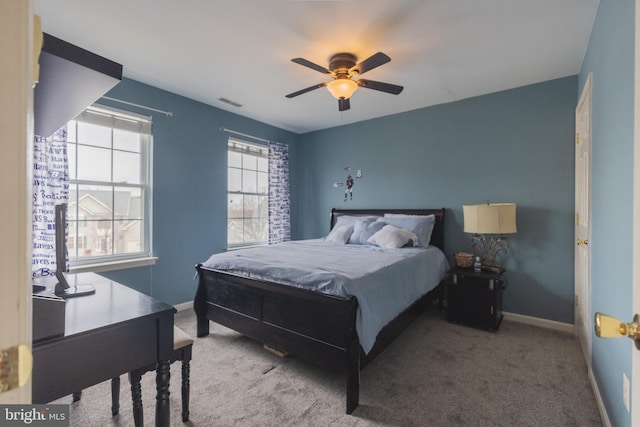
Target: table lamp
488,224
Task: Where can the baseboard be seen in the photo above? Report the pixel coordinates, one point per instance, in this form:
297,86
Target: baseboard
596,392
513,317
536,321
184,306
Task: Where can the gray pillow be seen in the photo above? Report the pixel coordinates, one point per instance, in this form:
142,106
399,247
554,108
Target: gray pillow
340,234
363,230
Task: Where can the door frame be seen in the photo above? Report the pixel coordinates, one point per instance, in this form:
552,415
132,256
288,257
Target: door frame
16,163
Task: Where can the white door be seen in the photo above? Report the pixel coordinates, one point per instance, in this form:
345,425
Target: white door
582,258
16,140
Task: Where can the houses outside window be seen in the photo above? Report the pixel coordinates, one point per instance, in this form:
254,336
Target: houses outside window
109,208
248,194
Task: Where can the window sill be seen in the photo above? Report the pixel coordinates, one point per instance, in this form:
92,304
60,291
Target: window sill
235,248
113,265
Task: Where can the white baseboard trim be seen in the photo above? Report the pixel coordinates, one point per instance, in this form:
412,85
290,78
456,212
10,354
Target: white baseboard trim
513,317
536,321
184,306
596,392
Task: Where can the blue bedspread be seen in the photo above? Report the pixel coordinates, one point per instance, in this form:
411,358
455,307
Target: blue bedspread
385,281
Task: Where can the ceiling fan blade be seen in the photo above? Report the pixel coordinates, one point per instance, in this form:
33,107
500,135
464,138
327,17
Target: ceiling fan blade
383,87
309,89
375,60
343,104
313,66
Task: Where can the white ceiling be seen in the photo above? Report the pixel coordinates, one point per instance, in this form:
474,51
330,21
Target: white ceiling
441,50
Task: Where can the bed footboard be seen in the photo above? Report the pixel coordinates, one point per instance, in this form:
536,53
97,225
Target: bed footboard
315,327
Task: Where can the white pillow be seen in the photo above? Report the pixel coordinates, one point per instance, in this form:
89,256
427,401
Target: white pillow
422,225
390,237
340,234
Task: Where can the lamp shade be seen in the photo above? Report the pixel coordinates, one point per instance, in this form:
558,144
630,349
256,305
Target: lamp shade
497,218
342,88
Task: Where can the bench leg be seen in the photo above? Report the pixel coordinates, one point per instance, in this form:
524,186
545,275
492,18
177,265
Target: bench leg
185,390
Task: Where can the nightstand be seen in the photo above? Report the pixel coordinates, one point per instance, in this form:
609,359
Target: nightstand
475,298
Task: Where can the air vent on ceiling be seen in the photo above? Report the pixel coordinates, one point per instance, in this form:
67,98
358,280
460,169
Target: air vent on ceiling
230,102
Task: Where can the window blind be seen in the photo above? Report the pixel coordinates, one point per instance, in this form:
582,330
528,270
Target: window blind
123,120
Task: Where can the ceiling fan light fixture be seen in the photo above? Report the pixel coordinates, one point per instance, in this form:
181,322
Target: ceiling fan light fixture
342,88
343,67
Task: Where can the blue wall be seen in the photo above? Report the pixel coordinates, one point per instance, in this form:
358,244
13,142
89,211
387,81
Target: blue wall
189,186
512,146
610,59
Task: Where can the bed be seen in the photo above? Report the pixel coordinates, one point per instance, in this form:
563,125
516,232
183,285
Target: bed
325,325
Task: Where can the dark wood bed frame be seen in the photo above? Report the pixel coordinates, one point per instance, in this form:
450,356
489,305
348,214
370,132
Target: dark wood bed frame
316,327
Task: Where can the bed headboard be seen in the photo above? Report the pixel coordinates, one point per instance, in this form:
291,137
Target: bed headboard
437,236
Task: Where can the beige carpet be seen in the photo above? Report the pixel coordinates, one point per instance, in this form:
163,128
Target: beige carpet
435,374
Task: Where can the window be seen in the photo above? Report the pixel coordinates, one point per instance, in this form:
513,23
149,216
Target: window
109,209
248,197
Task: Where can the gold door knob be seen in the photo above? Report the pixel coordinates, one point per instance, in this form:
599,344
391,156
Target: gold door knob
610,327
582,242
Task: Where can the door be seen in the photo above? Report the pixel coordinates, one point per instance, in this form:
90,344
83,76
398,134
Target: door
634,406
16,140
582,312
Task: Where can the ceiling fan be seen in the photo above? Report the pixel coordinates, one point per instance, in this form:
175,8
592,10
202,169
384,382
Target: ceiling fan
343,67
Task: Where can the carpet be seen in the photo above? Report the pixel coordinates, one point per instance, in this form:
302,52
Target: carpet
435,374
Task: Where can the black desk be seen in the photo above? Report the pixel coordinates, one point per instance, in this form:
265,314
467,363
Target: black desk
107,334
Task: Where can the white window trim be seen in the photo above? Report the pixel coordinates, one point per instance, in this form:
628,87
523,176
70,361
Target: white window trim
97,114
113,265
258,146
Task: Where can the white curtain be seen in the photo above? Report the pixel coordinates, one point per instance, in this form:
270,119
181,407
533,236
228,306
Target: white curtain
279,205
50,187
